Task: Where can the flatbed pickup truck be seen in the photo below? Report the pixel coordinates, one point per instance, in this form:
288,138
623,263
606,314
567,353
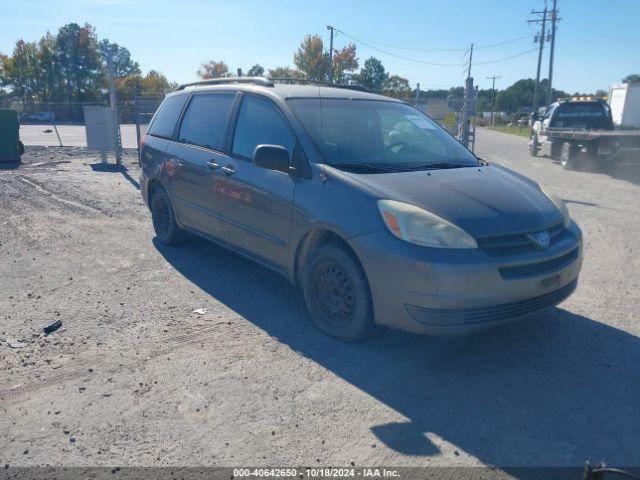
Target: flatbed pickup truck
580,131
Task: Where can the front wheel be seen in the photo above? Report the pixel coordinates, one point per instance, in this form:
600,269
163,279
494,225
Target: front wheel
164,219
534,146
337,294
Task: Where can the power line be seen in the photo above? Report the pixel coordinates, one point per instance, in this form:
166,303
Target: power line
415,49
435,64
507,58
401,57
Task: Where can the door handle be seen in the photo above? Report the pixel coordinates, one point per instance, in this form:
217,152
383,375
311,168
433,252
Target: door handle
229,171
213,165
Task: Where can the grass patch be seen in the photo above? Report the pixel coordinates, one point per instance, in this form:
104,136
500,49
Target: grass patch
524,131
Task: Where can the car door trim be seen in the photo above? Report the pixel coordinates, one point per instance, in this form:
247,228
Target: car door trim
230,221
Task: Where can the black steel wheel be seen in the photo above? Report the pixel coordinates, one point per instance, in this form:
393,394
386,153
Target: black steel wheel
164,219
337,293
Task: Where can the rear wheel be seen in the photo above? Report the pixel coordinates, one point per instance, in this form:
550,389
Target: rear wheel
164,219
567,156
337,293
534,146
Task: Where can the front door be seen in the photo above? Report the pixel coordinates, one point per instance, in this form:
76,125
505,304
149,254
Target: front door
255,202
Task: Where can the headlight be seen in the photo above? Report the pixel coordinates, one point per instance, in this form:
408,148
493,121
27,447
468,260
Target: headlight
417,226
560,205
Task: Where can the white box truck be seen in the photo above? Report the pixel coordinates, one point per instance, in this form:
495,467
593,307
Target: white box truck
624,100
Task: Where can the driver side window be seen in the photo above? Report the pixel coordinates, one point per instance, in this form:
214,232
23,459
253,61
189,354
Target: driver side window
259,123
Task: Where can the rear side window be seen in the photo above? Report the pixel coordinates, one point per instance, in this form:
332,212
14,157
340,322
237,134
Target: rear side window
589,115
259,123
167,116
205,121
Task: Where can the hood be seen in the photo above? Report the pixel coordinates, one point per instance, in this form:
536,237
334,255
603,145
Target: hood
484,201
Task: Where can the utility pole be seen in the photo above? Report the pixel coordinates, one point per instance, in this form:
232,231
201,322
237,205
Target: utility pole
466,134
554,20
330,28
493,94
540,39
114,108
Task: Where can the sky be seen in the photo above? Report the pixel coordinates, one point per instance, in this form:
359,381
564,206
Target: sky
597,42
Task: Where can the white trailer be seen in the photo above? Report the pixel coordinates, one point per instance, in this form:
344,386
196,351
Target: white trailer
624,100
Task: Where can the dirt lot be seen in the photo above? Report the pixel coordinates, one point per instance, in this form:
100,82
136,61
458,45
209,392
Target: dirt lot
135,377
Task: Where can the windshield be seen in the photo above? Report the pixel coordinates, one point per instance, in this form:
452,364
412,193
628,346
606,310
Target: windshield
377,135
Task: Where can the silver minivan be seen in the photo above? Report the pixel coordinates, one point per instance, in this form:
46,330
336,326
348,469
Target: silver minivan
374,210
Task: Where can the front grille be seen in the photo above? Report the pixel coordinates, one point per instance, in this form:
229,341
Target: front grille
546,266
486,315
505,245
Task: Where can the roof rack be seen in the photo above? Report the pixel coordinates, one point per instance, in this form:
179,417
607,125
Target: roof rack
293,80
229,80
267,82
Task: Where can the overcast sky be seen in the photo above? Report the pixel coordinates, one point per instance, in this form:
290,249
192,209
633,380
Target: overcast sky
598,42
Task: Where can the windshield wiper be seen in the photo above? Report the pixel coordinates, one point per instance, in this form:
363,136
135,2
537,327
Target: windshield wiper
366,167
436,166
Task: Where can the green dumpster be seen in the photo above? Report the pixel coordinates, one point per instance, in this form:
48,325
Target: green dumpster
10,145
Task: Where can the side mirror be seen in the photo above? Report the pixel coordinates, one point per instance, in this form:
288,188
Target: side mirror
272,157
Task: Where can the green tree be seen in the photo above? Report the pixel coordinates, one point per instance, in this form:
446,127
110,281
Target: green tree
373,75
256,71
20,72
50,71
213,69
286,72
396,86
80,62
345,61
123,65
633,78
311,58
152,85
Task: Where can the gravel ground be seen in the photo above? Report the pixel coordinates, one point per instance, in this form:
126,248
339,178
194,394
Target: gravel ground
135,377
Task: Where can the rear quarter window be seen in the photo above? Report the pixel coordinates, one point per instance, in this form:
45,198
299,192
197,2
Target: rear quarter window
167,115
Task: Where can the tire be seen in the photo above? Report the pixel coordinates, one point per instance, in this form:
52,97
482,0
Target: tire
567,156
164,220
337,295
534,146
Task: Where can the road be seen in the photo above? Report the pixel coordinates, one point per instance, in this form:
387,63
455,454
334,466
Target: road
135,377
70,135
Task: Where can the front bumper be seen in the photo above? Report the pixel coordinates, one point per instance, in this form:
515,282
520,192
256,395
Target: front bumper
441,292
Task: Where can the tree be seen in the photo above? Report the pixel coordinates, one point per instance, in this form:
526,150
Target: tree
396,86
213,69
256,71
344,62
80,62
286,72
373,75
633,78
122,64
311,58
152,85
20,71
